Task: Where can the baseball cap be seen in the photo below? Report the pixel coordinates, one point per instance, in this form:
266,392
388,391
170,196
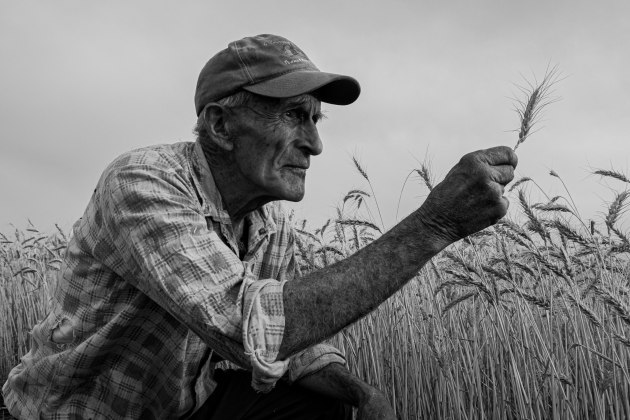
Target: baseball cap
273,66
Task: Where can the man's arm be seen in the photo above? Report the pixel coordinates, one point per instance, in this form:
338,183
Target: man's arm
337,382
470,198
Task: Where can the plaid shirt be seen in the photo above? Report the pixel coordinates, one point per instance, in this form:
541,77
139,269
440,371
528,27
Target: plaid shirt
151,291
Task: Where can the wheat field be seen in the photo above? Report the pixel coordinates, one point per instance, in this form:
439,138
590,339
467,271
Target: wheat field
528,319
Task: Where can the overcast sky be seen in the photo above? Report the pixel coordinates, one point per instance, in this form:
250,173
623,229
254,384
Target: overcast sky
84,81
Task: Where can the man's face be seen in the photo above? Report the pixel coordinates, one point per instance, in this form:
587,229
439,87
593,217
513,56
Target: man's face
274,140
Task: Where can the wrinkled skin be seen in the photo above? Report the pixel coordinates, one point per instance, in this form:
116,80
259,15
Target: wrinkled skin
274,146
266,151
470,198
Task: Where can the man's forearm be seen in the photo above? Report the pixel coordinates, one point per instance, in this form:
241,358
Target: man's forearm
468,200
320,304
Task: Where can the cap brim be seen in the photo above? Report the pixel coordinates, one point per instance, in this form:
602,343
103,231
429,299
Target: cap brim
327,87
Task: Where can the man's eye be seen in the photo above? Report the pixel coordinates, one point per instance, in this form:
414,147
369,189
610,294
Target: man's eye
293,114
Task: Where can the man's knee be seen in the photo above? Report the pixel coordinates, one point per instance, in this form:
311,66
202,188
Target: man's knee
235,398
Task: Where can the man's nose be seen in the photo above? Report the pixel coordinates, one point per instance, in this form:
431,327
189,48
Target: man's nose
311,141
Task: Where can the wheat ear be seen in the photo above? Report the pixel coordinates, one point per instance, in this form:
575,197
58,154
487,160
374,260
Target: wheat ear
538,97
612,174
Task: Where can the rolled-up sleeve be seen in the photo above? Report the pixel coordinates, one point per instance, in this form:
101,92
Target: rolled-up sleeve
163,245
312,360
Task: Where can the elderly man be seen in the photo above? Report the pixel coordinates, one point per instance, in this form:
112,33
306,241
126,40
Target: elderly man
183,258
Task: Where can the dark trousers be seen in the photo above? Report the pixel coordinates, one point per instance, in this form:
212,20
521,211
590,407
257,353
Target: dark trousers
234,399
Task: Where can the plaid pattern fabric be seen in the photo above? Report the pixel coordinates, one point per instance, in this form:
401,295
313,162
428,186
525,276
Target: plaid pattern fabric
151,291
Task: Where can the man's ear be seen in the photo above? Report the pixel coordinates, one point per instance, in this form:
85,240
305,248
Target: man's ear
215,121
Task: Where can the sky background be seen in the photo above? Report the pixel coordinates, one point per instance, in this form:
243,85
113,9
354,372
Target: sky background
84,81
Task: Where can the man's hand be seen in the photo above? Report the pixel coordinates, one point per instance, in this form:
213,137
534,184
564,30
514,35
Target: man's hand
337,382
470,198
375,407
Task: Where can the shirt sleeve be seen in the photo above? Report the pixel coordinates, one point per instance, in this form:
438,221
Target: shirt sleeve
163,246
312,360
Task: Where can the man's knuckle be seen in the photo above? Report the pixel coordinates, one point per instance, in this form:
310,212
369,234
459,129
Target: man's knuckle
513,158
471,157
465,159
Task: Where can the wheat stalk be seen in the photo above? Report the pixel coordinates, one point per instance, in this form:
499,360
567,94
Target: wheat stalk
519,182
616,208
623,340
588,312
612,174
535,225
446,284
353,222
616,304
568,232
457,300
425,174
551,207
538,97
364,174
536,300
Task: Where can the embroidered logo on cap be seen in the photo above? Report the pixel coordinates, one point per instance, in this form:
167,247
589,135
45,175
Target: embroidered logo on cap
291,52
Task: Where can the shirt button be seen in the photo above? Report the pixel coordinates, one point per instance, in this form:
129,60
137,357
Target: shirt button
262,231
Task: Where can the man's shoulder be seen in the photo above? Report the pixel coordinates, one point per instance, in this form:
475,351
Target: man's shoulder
141,166
167,155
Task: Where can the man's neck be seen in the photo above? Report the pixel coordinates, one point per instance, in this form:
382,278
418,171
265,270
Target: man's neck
237,200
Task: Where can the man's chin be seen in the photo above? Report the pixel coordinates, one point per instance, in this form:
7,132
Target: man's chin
292,189
295,197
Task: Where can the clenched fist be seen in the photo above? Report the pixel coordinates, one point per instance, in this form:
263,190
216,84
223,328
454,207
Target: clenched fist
470,198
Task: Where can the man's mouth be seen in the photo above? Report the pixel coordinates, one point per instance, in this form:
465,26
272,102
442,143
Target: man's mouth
299,171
